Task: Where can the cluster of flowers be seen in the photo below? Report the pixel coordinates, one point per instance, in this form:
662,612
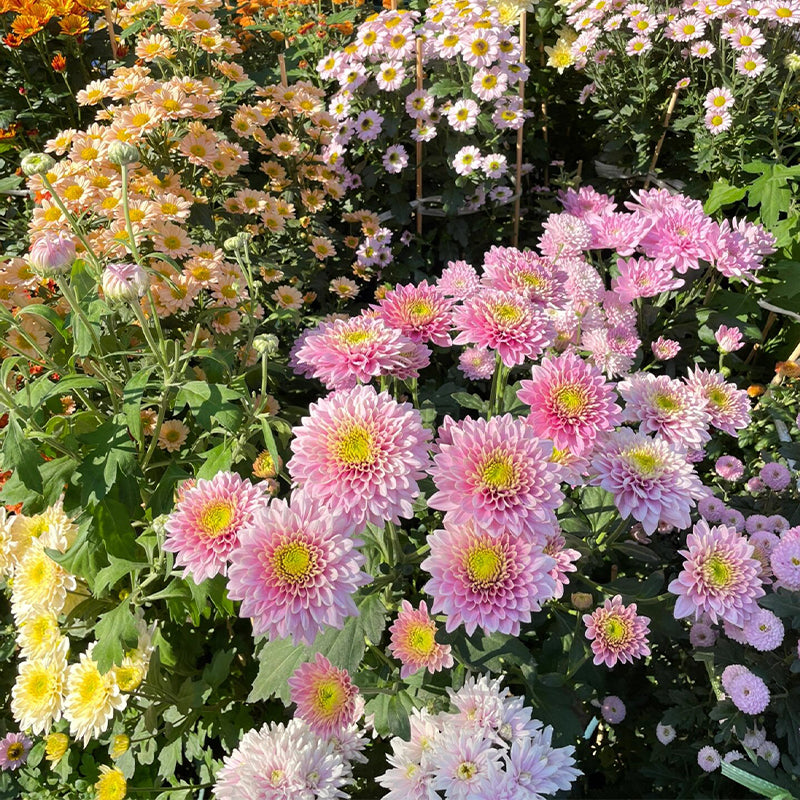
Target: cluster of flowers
31,17
379,105
48,687
693,34
489,746
709,758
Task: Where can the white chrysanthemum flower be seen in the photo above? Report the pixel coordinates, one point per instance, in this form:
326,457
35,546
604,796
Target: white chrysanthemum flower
38,694
39,584
40,637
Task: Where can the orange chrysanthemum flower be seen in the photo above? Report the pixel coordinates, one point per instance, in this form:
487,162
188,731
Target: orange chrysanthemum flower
74,25
26,25
58,63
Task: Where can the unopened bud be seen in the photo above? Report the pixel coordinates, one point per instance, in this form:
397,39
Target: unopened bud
37,164
264,466
52,254
124,282
581,600
266,343
122,153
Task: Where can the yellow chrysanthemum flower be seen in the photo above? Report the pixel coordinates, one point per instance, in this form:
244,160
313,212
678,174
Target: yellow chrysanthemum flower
56,746
559,56
40,637
111,785
119,745
39,583
131,672
92,698
37,695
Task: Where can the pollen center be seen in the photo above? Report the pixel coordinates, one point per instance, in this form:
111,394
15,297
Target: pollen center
421,639
355,447
329,697
570,401
506,313
216,518
295,562
484,566
716,572
499,473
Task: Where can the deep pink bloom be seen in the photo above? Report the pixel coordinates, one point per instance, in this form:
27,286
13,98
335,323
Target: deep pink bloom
734,255
666,407
503,321
422,312
650,480
499,474
720,576
728,406
728,339
617,632
570,401
680,238
490,579
204,528
362,454
524,272
14,749
413,641
296,570
639,277
344,352
564,558
325,696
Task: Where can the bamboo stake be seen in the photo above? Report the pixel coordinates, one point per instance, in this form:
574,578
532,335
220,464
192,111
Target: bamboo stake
282,64
419,141
523,36
660,144
111,35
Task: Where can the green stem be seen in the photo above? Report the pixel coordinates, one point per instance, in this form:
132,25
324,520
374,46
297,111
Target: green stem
499,380
127,213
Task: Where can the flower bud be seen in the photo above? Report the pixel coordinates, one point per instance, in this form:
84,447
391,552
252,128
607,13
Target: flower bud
122,153
265,467
119,745
266,343
52,254
124,282
56,745
37,164
581,600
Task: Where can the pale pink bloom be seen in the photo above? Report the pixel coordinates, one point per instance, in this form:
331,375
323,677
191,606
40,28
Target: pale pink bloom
618,232
718,121
570,402
585,201
719,578
477,363
204,528
729,468
728,339
718,99
325,696
458,280
617,632
564,558
650,480
665,349
467,160
14,749
362,454
52,254
680,235
728,406
522,271
565,235
486,578
751,64
172,435
124,282
497,473
413,641
296,569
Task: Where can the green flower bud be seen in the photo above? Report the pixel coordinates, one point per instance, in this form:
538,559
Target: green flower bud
37,164
266,343
122,154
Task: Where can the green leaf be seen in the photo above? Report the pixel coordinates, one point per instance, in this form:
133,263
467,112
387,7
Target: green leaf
208,401
117,569
161,501
391,713
598,507
491,652
445,88
116,631
473,401
132,396
277,662
110,455
22,456
637,551
722,194
754,783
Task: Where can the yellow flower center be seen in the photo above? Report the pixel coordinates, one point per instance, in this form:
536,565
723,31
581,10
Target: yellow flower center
485,565
16,751
506,313
499,473
718,398
355,447
719,101
421,639
645,462
615,631
90,686
466,770
357,337
480,47
570,401
295,562
666,402
329,697
716,572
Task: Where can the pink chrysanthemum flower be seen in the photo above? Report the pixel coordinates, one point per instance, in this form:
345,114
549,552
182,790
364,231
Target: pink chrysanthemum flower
497,473
458,280
776,476
639,277
570,401
667,408
522,271
503,321
748,692
344,352
564,235
708,758
14,749
204,528
720,577
617,632
729,468
680,237
564,558
413,641
728,406
785,562
618,232
665,349
650,480
486,579
296,569
422,312
362,454
477,363
613,709
586,200
325,696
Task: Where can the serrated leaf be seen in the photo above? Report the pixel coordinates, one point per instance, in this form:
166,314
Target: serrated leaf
132,396
208,401
117,569
598,507
110,454
472,401
21,456
116,631
722,194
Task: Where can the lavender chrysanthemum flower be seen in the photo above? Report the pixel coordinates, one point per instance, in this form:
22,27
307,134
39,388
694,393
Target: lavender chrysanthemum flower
763,630
776,476
728,406
711,509
465,765
665,733
458,280
748,692
570,401
666,407
534,768
720,577
613,709
770,753
503,321
650,480
296,569
498,473
729,468
325,696
343,353
14,748
488,579
361,453
203,529
785,562
421,312
413,641
617,632
702,635
708,758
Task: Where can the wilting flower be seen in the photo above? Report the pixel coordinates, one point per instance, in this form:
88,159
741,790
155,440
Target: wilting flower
362,454
413,641
325,696
720,576
617,632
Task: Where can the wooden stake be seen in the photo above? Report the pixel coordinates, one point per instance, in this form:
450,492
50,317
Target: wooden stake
756,347
419,141
282,64
112,38
793,357
523,36
660,144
